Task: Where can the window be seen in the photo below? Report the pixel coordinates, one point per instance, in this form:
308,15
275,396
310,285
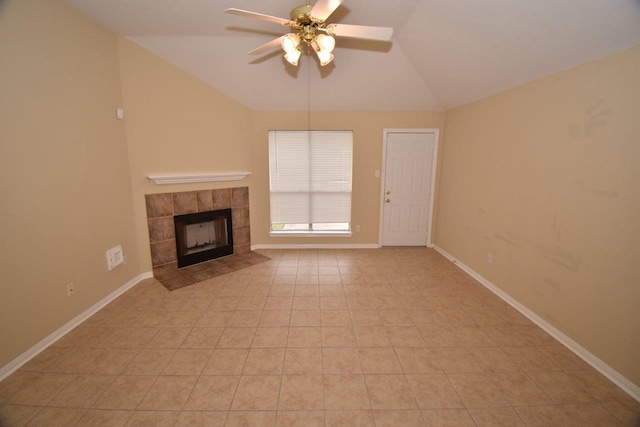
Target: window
310,181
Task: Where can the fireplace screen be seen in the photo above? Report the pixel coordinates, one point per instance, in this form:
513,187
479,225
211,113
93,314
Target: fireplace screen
203,236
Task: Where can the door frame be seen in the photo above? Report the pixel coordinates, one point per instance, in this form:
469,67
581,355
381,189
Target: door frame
434,164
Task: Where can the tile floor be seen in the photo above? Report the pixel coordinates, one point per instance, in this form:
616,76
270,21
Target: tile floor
388,337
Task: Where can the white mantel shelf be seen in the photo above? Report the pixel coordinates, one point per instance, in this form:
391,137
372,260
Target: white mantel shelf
182,178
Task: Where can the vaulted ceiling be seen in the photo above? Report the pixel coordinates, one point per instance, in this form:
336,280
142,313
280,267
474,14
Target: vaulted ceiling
443,53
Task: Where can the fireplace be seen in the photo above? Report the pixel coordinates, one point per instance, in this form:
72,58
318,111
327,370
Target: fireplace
203,236
164,208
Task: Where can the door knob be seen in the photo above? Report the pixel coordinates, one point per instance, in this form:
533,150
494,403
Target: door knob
388,192
387,200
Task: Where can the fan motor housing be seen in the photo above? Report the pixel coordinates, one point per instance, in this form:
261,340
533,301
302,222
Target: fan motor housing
300,14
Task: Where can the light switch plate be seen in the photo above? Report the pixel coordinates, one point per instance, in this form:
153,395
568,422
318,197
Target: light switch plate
115,257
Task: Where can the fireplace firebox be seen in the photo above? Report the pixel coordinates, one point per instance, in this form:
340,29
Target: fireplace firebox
203,236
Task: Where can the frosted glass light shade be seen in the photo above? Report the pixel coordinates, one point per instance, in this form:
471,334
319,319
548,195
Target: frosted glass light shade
326,43
292,57
324,57
290,42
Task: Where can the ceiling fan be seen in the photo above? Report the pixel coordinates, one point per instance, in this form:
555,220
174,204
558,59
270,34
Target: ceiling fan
309,28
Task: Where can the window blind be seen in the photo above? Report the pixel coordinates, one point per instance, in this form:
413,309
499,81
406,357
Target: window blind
310,176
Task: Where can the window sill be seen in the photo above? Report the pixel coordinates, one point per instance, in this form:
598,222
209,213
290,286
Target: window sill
310,233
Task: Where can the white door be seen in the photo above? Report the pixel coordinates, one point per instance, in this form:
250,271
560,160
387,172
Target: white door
407,188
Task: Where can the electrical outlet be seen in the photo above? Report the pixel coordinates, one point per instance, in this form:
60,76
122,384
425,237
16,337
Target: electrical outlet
357,228
70,289
489,258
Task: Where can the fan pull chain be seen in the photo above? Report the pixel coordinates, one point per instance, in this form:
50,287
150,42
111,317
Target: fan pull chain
308,93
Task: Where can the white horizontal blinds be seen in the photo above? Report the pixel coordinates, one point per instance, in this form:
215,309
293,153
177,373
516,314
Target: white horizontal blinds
289,175
331,154
310,176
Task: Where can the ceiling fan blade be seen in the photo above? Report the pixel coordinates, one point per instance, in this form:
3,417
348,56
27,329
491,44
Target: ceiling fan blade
260,16
323,8
360,31
267,46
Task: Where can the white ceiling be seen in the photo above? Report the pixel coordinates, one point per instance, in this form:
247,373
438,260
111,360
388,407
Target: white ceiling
443,53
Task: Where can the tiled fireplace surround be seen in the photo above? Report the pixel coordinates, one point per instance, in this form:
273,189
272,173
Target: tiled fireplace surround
161,209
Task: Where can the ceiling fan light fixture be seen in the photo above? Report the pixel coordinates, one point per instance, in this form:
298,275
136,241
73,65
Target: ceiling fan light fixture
308,24
293,57
291,45
324,56
326,42
290,42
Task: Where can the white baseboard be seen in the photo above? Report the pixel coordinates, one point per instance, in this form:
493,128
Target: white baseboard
317,246
606,370
15,364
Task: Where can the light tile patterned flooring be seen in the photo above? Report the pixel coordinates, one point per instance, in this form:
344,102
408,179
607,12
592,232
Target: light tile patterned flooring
388,337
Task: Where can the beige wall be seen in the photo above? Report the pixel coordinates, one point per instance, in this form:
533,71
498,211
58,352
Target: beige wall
545,177
175,123
367,158
65,192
